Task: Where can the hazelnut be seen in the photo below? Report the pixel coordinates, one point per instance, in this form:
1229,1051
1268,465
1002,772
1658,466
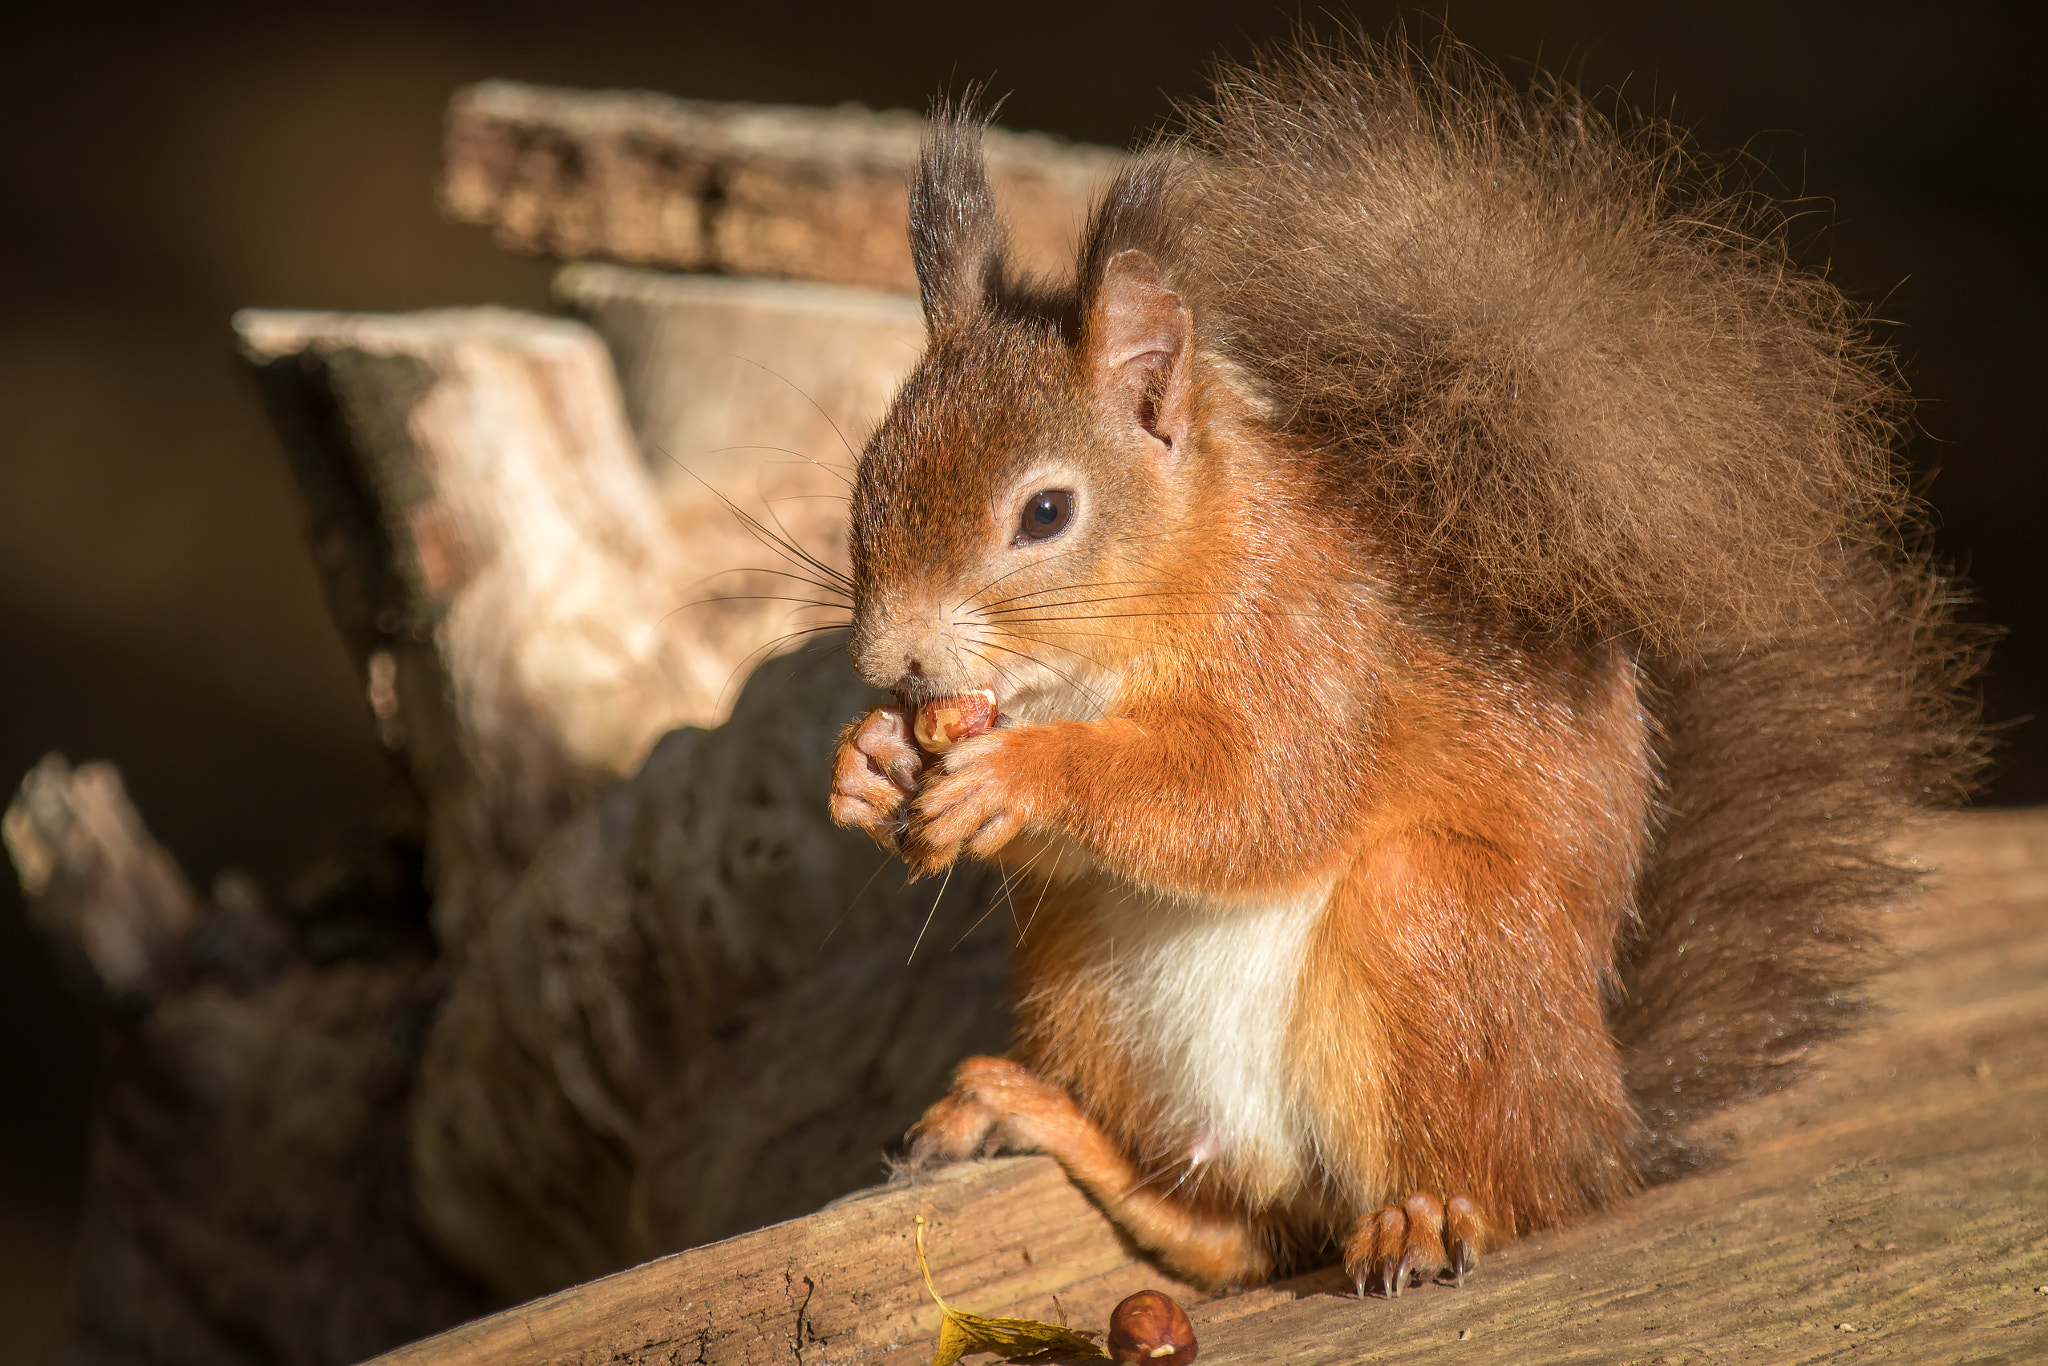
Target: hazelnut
1150,1327
945,721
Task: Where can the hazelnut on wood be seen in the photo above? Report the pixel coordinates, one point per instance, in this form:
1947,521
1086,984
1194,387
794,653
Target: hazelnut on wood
945,721
1150,1327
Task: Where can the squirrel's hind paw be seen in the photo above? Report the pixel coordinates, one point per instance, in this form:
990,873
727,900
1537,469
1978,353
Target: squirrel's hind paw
994,1105
952,1130
1418,1240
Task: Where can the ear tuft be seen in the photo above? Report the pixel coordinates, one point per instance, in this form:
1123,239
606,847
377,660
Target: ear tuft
957,238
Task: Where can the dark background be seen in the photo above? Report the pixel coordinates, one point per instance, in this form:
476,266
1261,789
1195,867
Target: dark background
162,170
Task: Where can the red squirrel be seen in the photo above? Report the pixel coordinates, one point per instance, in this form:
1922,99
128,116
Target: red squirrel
1450,602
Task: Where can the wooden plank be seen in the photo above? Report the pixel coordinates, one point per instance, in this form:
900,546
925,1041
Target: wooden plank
1901,1188
1893,1201
743,189
841,1285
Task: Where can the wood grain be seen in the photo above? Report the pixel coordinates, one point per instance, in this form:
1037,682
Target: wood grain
1892,1203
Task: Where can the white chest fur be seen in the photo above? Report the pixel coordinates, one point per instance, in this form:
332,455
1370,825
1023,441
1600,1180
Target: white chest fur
1202,994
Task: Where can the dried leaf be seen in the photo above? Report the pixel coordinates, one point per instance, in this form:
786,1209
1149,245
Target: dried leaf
961,1332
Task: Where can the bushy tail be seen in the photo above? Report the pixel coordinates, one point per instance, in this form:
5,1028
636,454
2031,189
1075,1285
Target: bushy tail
1554,360
1792,767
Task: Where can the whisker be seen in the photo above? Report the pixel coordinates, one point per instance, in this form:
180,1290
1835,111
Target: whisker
1158,1175
1089,602
749,661
1007,891
784,546
1005,604
1003,675
1012,884
1000,577
1194,1165
818,584
785,536
994,901
1093,695
1069,587
784,450
886,860
1120,540
758,597
1250,612
1059,852
815,404
788,548
1064,649
944,883
1009,629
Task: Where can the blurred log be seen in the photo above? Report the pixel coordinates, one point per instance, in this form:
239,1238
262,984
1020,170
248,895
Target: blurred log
647,1013
742,189
700,1011
755,394
1892,1201
692,1013
247,1186
497,561
113,904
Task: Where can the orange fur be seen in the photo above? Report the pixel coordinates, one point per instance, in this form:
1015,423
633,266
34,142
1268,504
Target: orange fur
1474,537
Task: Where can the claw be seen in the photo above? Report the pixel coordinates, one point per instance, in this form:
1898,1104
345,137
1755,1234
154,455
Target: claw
1466,1230
1418,1240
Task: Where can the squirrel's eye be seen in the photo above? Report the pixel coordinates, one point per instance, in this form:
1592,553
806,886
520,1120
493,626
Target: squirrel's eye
1047,514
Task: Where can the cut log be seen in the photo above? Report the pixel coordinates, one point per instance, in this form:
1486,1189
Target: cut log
692,1014
742,189
752,400
760,392
103,893
704,1007
497,562
1892,1200
528,608
248,1197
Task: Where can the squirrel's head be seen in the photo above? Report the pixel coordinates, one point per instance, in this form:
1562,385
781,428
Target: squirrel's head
1023,516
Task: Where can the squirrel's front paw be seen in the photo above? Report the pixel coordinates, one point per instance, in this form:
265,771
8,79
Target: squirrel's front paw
973,802
875,775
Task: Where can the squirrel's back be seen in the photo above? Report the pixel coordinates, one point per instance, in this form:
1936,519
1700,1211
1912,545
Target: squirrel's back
1578,385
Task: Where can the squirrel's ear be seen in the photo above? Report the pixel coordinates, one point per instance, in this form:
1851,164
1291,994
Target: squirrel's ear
1138,341
956,236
